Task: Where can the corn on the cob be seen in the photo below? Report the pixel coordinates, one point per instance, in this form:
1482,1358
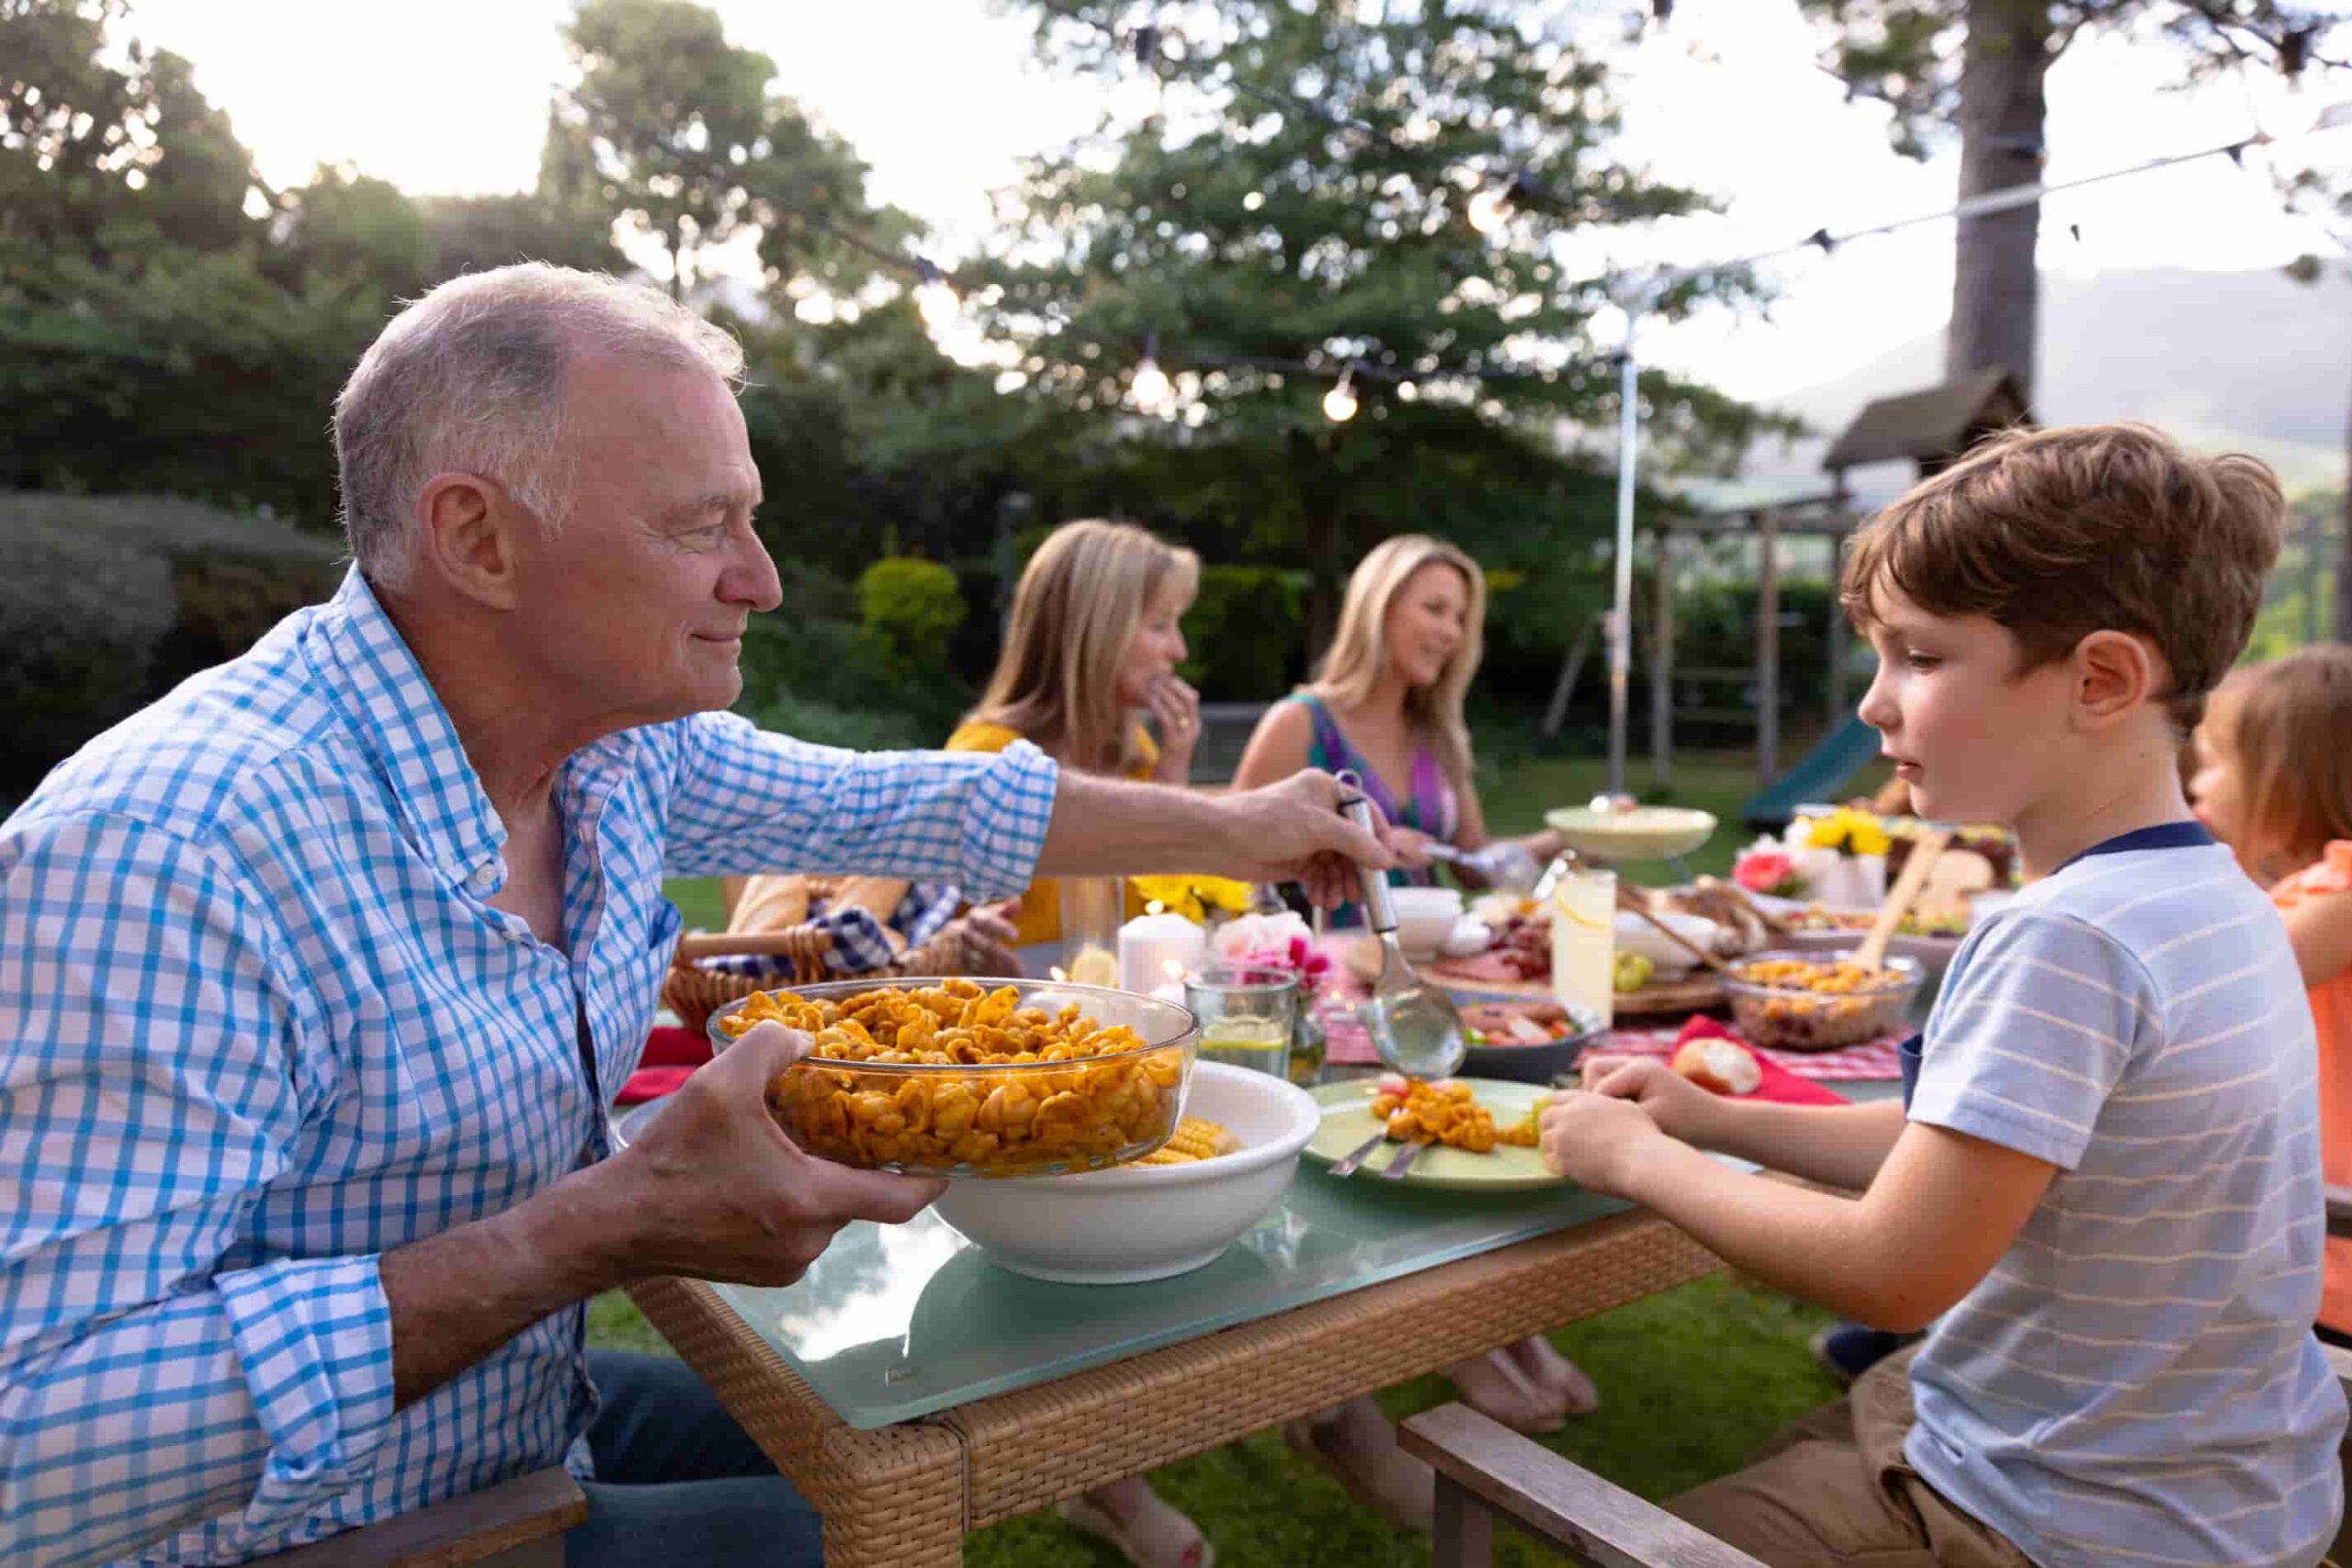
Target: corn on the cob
1195,1139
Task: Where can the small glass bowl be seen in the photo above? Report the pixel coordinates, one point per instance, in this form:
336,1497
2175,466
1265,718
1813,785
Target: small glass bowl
1791,1017
990,1119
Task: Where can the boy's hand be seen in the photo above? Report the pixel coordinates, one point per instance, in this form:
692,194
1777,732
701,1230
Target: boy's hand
1681,1108
1593,1139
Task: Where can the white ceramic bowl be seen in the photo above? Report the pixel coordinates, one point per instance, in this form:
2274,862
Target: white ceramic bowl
1635,934
1425,917
1146,1221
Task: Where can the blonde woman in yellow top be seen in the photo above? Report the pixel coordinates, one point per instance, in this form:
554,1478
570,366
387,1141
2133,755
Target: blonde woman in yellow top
1091,650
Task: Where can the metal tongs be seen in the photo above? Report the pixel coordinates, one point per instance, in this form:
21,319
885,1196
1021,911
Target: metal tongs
1415,1028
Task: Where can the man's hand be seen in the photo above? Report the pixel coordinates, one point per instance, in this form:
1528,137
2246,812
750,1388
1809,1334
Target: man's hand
1681,1108
1292,831
1593,1139
713,1188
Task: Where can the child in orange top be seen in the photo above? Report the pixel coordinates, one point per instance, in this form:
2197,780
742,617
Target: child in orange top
2274,781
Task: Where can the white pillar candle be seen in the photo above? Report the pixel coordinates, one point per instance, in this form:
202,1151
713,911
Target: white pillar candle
1150,943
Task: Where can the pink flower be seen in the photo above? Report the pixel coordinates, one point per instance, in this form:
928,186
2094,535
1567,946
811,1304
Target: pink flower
1761,871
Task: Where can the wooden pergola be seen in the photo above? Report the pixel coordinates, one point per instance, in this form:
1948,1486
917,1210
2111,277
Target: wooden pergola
1930,428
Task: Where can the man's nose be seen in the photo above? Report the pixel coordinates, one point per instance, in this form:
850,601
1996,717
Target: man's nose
752,581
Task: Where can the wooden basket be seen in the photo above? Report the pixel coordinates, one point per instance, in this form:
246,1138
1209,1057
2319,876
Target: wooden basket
695,993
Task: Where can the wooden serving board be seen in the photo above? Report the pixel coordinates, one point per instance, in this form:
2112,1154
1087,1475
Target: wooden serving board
1695,992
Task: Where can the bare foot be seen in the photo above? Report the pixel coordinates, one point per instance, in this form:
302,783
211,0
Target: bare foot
1493,1384
1146,1531
1355,1444
1558,1379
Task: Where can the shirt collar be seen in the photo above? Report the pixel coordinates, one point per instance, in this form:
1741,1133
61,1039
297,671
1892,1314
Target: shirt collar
401,723
2162,836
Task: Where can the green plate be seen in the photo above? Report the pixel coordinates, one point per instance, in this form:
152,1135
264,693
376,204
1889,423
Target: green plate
1348,1122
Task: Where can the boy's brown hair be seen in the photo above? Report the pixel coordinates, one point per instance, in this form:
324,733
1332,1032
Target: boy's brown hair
2057,534
2286,726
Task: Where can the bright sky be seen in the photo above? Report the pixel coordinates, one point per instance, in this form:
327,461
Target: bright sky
943,101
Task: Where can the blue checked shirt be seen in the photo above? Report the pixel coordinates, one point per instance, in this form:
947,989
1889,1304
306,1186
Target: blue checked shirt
257,1026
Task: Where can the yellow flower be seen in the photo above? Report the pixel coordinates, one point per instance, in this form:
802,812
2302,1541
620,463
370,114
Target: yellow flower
1194,896
1855,832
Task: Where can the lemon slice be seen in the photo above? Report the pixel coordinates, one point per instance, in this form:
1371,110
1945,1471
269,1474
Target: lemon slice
1094,966
1559,907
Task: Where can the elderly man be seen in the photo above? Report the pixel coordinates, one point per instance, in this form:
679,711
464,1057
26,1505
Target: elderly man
317,975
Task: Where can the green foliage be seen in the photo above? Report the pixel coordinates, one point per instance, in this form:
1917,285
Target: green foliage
681,134
1247,633
1909,53
813,670
1231,233
913,607
105,603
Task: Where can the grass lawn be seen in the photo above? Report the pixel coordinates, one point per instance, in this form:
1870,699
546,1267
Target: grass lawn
1692,1380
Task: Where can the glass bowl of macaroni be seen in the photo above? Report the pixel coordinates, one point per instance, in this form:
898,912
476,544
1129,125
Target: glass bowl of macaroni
1818,1001
975,1078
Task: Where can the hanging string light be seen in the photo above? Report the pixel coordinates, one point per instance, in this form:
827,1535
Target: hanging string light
1491,209
935,296
1149,389
1340,402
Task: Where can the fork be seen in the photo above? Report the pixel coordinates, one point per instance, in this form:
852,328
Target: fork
1354,1157
1396,1169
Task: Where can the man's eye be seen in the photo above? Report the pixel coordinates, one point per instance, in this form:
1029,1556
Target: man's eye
1922,661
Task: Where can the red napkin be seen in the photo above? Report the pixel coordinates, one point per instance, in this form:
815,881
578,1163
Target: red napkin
1779,1084
671,1056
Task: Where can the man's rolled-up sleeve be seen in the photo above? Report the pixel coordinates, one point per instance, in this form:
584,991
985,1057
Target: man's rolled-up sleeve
149,1090
745,800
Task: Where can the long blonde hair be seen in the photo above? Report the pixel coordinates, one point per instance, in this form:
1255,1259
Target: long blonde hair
1074,617
1358,653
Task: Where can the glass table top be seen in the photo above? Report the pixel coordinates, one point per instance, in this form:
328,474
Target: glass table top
893,1322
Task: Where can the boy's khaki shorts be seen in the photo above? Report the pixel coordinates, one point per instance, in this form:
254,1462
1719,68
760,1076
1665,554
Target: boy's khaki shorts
1834,1488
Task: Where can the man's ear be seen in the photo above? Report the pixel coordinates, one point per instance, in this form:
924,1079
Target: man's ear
469,530
2114,674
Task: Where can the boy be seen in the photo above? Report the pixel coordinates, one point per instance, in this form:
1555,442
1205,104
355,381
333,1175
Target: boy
2102,1189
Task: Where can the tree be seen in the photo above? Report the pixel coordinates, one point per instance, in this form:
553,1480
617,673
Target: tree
677,131
1260,247
1978,67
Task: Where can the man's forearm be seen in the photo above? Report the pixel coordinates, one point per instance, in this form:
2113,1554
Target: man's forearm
1837,1145
1110,826
458,1296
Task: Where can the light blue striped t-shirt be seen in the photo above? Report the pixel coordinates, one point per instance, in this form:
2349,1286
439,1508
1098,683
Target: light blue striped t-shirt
2136,1380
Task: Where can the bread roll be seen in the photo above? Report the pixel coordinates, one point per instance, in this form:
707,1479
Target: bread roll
1721,1065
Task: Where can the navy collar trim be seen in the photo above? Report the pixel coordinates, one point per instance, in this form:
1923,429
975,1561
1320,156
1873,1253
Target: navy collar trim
2163,836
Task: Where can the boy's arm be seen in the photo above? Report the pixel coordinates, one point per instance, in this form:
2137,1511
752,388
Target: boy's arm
1836,1146
1943,1210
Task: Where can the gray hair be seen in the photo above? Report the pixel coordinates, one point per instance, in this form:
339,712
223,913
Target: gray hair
469,379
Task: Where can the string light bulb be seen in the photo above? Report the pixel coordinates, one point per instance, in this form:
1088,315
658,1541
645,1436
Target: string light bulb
1491,209
1149,388
935,297
1340,402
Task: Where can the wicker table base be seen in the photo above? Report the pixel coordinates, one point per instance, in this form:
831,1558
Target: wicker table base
904,1496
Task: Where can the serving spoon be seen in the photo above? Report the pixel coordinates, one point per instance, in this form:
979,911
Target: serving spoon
1415,1028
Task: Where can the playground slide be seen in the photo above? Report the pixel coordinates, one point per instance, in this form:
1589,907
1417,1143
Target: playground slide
1820,775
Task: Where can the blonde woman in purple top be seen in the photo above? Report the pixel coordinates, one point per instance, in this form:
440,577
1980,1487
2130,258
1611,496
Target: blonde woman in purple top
1387,701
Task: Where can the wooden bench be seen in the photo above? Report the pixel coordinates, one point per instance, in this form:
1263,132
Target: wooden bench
516,1524
1485,1469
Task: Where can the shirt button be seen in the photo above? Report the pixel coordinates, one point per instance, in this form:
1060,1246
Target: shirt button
483,880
